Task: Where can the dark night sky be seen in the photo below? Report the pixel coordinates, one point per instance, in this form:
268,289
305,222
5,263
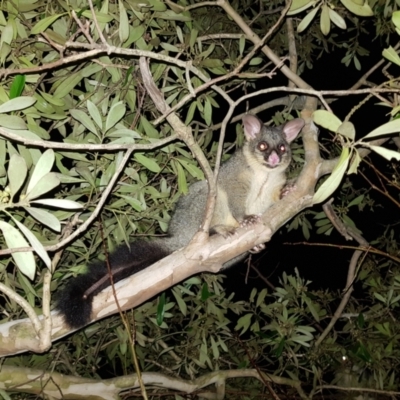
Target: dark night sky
326,267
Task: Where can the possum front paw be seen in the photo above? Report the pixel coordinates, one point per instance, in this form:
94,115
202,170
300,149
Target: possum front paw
250,220
288,188
247,222
257,248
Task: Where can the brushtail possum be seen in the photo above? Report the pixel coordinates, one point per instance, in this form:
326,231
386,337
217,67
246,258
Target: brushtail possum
247,185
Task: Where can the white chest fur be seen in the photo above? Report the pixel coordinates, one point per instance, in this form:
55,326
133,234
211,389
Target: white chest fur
265,187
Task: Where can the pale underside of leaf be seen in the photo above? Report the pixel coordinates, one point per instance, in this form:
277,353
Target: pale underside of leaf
332,183
14,239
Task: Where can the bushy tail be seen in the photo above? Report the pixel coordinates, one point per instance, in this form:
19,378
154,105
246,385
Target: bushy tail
75,300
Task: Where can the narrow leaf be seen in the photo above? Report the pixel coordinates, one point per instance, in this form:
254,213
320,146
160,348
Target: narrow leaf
17,104
347,129
307,20
388,154
17,86
123,23
94,113
361,10
41,252
44,217
43,24
14,239
17,171
85,120
337,19
59,203
325,21
149,163
116,113
327,120
298,6
391,54
47,183
12,122
332,183
390,127
43,167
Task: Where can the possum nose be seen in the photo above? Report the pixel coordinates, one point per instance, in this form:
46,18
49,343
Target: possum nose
273,159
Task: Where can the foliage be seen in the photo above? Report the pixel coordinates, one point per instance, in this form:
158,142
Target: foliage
74,108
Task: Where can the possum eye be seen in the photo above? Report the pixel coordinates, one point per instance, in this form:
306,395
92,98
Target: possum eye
262,146
282,148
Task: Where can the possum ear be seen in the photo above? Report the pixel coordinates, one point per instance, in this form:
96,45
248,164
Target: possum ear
252,126
292,128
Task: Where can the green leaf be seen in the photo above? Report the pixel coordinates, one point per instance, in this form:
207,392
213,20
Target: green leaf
149,163
254,61
190,113
261,297
124,133
43,24
123,23
355,162
391,54
307,19
44,217
242,43
17,86
169,47
7,34
205,293
17,104
327,120
396,19
386,153
298,6
325,21
332,183
193,169
86,173
14,239
390,127
59,203
160,309
244,323
207,112
17,171
43,167
116,113
4,395
52,100
134,203
100,17
149,128
181,303
361,10
12,122
311,307
38,247
182,182
356,201
193,37
85,120
169,15
45,184
337,19
347,129
138,32
94,113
